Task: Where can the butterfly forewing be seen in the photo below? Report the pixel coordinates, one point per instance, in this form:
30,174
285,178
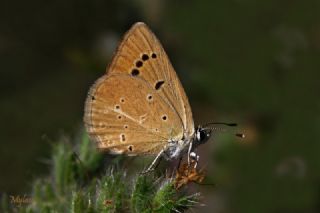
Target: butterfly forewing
140,54
139,105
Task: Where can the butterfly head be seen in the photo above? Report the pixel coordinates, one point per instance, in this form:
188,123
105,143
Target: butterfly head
202,135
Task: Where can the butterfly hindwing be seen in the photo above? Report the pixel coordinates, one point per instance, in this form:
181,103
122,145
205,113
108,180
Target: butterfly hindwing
124,115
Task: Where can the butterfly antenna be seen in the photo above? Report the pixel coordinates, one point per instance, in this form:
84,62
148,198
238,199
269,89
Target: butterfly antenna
221,123
240,135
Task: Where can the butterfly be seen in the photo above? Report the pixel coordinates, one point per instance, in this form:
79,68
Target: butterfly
139,106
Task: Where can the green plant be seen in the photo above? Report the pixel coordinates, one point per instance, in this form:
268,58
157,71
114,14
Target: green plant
84,183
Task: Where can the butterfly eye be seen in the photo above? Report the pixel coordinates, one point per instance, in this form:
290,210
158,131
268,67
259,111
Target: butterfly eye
119,117
125,126
117,107
130,148
164,117
122,100
93,98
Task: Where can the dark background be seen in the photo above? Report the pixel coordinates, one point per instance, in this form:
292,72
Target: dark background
253,62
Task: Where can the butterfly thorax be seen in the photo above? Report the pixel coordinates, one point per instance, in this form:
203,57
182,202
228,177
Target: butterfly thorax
177,148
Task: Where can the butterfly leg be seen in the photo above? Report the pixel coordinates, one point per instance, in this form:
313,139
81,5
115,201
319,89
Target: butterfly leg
189,152
154,163
195,157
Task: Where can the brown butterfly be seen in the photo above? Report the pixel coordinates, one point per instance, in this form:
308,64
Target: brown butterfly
139,106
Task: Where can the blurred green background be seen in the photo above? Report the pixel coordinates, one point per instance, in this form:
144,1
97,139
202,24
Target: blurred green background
255,63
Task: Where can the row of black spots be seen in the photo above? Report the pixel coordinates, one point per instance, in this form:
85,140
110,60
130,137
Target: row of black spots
145,57
135,71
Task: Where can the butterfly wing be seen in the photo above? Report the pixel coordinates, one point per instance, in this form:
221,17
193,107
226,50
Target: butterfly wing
139,105
124,115
141,54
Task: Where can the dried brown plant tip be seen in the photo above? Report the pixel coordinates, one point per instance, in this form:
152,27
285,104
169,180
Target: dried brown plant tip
108,202
188,173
